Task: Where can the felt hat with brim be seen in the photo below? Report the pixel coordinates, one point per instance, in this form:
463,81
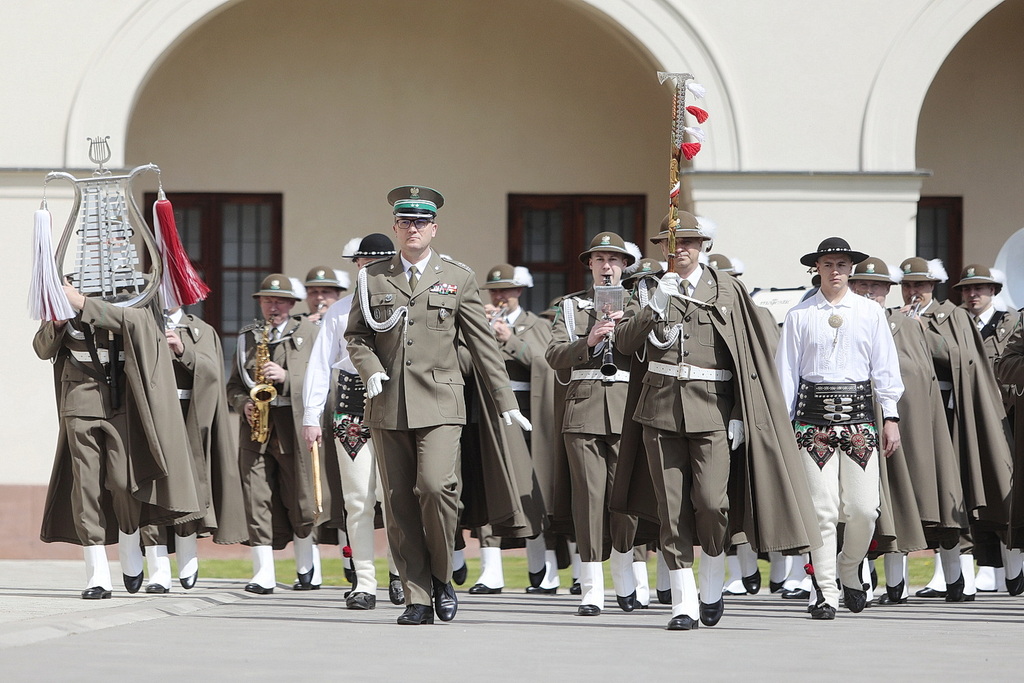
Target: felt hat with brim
277,284
374,245
648,267
977,274
917,269
506,276
832,245
871,270
686,226
415,201
608,241
721,263
322,276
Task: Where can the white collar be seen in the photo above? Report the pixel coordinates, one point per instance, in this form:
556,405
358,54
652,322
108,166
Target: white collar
986,317
174,317
823,303
513,316
420,265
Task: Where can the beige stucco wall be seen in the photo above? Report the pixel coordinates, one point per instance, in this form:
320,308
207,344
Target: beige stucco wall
971,134
338,105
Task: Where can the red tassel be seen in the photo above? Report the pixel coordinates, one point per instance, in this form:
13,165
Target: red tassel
690,149
809,569
182,285
698,113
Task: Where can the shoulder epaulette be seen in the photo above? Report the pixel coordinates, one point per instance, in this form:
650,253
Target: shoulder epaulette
256,324
449,259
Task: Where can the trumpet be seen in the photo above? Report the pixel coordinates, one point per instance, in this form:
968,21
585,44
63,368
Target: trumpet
262,392
497,314
915,307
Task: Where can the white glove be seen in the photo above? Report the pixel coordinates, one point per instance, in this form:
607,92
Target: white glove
375,384
514,414
667,288
737,435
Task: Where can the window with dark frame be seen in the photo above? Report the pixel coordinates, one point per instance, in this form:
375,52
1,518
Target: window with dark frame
546,233
940,235
234,241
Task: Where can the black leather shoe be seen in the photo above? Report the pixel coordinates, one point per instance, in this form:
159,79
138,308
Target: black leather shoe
536,578
1015,586
824,611
414,615
361,601
304,582
955,590
855,600
459,575
627,603
886,600
132,584
446,603
157,588
537,590
258,589
894,594
96,593
395,591
588,611
712,614
752,583
481,589
576,588
930,593
189,582
665,597
682,623
796,594
775,587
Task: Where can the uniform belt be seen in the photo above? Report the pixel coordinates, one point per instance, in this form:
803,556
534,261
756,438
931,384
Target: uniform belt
520,386
687,371
945,386
102,354
619,376
184,394
281,401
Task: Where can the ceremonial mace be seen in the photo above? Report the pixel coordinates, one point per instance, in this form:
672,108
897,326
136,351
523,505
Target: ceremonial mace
680,148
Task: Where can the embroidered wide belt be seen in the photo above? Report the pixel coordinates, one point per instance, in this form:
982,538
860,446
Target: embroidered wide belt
619,376
102,354
184,394
829,403
519,386
687,371
351,394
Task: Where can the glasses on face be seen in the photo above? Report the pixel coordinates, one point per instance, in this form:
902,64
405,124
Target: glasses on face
420,224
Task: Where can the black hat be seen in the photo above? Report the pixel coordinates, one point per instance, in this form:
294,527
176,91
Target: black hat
832,245
374,245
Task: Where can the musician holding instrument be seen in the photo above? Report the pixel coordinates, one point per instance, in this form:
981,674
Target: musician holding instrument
583,353
324,286
277,472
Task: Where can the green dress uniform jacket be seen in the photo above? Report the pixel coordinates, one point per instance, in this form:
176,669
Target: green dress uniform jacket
1010,371
161,475
772,502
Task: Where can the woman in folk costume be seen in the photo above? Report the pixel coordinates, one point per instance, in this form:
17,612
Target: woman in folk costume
926,496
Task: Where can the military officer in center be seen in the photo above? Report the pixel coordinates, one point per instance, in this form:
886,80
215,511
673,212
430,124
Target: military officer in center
402,339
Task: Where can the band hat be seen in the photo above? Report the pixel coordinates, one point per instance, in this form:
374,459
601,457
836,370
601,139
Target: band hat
687,225
322,276
874,269
832,245
916,269
723,264
646,267
374,245
505,276
415,201
277,284
977,274
608,241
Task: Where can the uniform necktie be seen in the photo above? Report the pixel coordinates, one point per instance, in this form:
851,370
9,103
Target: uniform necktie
414,278
275,334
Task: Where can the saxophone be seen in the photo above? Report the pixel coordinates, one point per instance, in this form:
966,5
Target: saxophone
263,392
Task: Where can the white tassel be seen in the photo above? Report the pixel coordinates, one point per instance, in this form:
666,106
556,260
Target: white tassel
298,288
697,90
998,275
343,278
351,247
695,132
637,255
738,267
937,270
522,277
707,227
46,298
895,274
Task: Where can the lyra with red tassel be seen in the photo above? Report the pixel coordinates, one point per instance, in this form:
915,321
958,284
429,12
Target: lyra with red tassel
686,142
108,229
